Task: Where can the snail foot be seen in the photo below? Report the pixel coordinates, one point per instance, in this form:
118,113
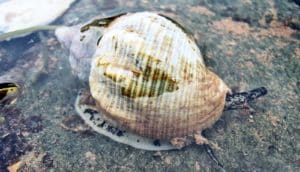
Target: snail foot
180,142
199,139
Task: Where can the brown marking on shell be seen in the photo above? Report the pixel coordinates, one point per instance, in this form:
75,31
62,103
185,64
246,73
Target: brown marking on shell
154,82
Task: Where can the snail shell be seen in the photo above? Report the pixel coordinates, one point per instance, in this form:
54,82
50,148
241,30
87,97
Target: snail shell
149,77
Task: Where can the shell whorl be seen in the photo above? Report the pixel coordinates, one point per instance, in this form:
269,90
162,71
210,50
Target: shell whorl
151,79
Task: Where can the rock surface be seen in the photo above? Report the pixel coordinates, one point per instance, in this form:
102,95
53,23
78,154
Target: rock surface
247,43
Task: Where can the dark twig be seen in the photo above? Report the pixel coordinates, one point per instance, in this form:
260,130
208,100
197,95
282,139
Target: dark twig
211,154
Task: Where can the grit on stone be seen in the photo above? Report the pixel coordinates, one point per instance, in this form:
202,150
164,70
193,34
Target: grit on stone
249,44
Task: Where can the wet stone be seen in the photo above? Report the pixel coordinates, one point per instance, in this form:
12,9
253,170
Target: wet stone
11,148
264,33
33,124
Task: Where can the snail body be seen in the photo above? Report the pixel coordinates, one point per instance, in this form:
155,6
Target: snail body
149,86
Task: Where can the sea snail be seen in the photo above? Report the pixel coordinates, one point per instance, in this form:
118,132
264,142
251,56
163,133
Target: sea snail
148,82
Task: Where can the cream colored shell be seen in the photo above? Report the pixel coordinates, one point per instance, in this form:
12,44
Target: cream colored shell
149,77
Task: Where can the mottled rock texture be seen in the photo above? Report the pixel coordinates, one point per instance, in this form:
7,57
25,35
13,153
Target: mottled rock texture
247,43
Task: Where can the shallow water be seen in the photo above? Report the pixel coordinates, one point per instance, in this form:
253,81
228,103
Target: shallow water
249,44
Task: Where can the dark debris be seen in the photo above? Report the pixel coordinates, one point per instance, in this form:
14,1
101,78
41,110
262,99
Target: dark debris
12,146
33,124
47,160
